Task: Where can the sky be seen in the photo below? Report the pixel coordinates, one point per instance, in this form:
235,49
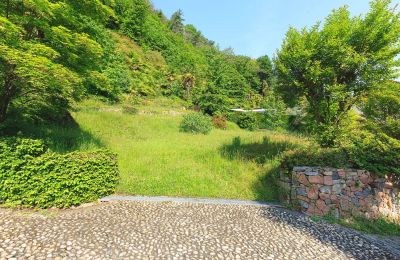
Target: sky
254,27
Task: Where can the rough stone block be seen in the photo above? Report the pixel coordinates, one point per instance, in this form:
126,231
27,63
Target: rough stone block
316,179
328,180
311,173
337,189
313,193
364,193
302,198
327,173
326,189
365,179
303,180
388,185
334,199
341,173
303,204
355,201
324,196
302,192
336,176
321,205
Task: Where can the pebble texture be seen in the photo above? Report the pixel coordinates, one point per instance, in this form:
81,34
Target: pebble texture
170,230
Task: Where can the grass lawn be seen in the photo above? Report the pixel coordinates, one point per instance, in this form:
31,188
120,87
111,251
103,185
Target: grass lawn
156,159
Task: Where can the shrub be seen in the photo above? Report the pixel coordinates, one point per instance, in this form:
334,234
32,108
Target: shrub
128,109
196,123
247,121
219,121
376,152
314,156
30,175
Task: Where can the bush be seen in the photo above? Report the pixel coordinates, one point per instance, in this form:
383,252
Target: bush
247,121
219,121
196,123
32,176
314,156
376,152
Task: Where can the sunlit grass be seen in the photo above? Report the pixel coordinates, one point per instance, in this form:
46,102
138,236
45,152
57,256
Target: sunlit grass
156,159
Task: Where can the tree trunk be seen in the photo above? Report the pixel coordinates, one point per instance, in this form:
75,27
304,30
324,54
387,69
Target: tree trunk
4,102
8,9
5,97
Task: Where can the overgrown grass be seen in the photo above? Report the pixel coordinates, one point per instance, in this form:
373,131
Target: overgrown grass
155,158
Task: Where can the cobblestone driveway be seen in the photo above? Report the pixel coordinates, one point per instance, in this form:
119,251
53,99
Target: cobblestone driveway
169,230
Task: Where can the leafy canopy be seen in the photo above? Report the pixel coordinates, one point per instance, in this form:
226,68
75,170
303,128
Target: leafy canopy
334,65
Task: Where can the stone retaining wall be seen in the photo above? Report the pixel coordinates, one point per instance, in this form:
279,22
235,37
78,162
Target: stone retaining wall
321,191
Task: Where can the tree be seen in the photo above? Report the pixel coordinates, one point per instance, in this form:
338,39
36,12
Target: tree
382,108
176,22
41,60
28,71
133,15
335,65
265,73
249,69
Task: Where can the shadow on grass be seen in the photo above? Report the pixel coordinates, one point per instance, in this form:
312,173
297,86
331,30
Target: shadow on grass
260,152
266,153
59,138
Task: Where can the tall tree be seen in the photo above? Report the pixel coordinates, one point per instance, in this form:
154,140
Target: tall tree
42,61
176,22
265,73
335,65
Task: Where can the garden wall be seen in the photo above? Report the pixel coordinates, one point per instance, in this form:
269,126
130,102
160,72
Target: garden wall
321,191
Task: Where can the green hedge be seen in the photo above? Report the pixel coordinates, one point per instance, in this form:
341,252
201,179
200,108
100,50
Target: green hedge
32,176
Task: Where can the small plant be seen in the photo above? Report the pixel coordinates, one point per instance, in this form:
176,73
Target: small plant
247,121
196,123
219,121
128,109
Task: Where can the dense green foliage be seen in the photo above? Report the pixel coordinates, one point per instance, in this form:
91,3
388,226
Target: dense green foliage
331,67
375,151
314,156
382,109
196,123
32,176
52,52
337,78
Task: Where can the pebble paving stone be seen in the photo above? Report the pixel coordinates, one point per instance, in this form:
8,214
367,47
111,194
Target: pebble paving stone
171,230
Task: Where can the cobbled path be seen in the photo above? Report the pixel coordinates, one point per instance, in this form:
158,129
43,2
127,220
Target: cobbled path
170,230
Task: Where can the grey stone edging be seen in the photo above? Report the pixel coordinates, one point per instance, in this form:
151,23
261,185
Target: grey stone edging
190,200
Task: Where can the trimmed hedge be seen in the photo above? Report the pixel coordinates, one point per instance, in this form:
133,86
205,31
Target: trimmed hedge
32,176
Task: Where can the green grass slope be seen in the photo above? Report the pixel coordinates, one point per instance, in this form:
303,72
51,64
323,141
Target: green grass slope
155,158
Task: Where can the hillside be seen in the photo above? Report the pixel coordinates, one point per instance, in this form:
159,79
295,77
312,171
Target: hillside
120,50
